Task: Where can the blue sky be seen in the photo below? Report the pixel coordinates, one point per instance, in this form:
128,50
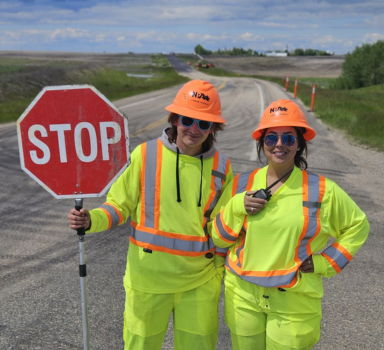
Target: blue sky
144,26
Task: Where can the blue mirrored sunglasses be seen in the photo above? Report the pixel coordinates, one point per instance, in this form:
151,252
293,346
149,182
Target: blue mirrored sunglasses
188,122
287,140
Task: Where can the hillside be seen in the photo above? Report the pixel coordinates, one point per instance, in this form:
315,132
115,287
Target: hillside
293,66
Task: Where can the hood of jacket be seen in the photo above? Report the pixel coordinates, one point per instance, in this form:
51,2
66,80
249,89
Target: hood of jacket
173,147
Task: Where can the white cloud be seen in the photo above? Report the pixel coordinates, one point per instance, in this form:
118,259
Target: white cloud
182,24
373,37
70,33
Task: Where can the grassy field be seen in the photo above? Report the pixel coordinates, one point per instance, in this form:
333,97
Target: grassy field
22,79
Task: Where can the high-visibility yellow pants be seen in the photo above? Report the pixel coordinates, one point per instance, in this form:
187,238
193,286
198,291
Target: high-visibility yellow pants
195,318
266,318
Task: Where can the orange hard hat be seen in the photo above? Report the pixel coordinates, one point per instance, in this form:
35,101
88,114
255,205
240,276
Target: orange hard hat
283,113
198,99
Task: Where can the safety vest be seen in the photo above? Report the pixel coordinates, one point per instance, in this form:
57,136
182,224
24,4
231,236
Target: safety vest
313,187
145,232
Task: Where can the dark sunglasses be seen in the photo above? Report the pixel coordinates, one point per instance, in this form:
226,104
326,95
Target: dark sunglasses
287,140
188,122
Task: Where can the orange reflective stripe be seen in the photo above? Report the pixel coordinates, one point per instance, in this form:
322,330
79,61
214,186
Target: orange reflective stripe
251,179
235,184
143,156
345,252
240,271
158,183
213,189
332,262
226,229
321,188
220,254
117,212
305,191
108,216
290,285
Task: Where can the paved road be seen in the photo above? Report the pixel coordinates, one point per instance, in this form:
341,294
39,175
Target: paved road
40,306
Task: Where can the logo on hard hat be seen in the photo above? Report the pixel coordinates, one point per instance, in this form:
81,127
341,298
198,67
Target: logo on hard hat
200,95
281,109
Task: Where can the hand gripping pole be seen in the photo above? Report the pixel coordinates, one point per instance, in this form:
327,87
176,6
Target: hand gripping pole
83,279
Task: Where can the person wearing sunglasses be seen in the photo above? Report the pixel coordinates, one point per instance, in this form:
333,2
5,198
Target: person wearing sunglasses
277,239
169,190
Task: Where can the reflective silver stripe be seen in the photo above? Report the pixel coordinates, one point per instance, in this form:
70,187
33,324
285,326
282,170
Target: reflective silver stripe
112,212
172,243
219,175
222,250
313,196
150,183
221,166
313,193
243,181
222,231
268,282
337,256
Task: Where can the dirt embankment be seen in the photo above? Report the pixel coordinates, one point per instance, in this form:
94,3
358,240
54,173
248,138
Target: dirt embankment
297,66
37,69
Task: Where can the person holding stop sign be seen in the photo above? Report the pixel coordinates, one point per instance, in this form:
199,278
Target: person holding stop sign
169,190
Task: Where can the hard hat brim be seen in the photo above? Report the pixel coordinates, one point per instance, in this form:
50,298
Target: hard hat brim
195,114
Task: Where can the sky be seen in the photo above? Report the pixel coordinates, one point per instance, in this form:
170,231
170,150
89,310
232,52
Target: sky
143,26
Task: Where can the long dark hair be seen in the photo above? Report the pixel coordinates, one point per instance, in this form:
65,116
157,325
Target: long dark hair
207,144
300,155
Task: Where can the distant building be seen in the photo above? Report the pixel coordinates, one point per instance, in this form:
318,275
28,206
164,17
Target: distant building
276,54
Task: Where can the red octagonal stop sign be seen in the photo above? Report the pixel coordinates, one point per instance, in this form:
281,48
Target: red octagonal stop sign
73,141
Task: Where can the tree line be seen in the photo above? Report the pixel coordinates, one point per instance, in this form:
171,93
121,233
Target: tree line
237,51
363,67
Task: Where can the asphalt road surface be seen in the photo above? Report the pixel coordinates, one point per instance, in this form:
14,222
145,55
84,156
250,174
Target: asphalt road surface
40,304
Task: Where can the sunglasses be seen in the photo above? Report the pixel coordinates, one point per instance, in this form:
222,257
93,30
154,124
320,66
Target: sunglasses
188,122
287,140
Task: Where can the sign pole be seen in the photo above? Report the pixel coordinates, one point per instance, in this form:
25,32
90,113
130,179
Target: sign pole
83,279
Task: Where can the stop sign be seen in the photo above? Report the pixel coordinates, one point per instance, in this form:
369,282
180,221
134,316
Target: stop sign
73,141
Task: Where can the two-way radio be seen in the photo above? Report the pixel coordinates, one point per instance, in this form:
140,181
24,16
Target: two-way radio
266,193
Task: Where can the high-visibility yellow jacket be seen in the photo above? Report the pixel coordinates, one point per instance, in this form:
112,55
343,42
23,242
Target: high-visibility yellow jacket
170,249
268,248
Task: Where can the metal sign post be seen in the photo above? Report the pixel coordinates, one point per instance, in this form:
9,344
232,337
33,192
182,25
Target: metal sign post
83,279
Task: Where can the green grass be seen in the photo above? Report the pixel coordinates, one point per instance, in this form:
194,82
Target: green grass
359,112
113,83
116,85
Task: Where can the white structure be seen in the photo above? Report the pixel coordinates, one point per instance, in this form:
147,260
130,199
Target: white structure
275,54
